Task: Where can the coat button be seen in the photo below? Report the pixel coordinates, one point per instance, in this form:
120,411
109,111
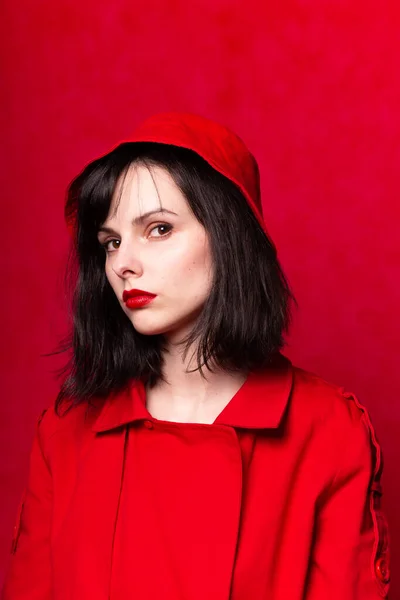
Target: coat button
382,570
148,424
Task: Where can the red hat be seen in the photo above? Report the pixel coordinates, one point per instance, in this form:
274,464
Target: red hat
217,144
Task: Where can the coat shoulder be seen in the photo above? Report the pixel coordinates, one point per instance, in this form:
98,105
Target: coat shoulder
335,406
70,417
329,396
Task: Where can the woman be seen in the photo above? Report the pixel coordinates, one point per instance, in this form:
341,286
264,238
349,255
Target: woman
185,457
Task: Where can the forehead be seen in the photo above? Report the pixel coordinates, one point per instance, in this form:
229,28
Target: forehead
144,188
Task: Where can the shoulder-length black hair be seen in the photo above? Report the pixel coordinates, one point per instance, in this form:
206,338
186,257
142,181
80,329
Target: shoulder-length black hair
245,316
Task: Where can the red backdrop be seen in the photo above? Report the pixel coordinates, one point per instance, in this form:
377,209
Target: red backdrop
311,85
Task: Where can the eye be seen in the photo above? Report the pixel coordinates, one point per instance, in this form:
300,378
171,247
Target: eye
108,248
163,229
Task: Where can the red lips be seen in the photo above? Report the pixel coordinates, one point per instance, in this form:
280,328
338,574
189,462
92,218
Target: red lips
135,293
137,298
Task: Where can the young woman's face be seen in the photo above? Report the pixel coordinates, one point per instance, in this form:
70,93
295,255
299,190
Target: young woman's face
155,251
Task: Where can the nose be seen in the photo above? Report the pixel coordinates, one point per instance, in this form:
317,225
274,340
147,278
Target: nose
125,262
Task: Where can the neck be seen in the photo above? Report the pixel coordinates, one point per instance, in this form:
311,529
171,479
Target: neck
189,396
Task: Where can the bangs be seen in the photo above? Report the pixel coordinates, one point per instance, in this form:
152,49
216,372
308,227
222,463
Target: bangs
125,183
91,193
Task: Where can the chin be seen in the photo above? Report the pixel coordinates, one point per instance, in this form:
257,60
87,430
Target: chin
147,325
147,329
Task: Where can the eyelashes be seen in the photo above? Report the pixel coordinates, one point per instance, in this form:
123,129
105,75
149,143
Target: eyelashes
164,226
105,245
161,226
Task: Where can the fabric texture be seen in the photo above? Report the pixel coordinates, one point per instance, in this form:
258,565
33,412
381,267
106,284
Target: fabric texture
279,498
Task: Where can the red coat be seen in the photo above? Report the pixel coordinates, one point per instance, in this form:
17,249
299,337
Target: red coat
278,499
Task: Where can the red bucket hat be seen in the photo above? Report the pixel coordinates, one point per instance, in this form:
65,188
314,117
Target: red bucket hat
218,145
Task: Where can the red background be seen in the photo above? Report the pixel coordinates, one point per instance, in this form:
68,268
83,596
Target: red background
312,86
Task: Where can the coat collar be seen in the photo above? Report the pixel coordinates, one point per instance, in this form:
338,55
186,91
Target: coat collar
259,404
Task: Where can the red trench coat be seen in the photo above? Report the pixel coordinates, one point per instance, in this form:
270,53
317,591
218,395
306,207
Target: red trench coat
294,470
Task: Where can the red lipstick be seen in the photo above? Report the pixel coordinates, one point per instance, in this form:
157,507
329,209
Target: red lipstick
137,298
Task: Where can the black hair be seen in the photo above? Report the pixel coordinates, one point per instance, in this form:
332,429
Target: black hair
243,321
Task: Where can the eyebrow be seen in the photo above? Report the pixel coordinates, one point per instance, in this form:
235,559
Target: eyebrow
140,220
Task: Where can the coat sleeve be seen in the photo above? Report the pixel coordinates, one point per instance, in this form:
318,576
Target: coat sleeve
350,557
28,574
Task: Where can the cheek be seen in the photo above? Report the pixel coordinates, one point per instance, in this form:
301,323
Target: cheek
194,269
